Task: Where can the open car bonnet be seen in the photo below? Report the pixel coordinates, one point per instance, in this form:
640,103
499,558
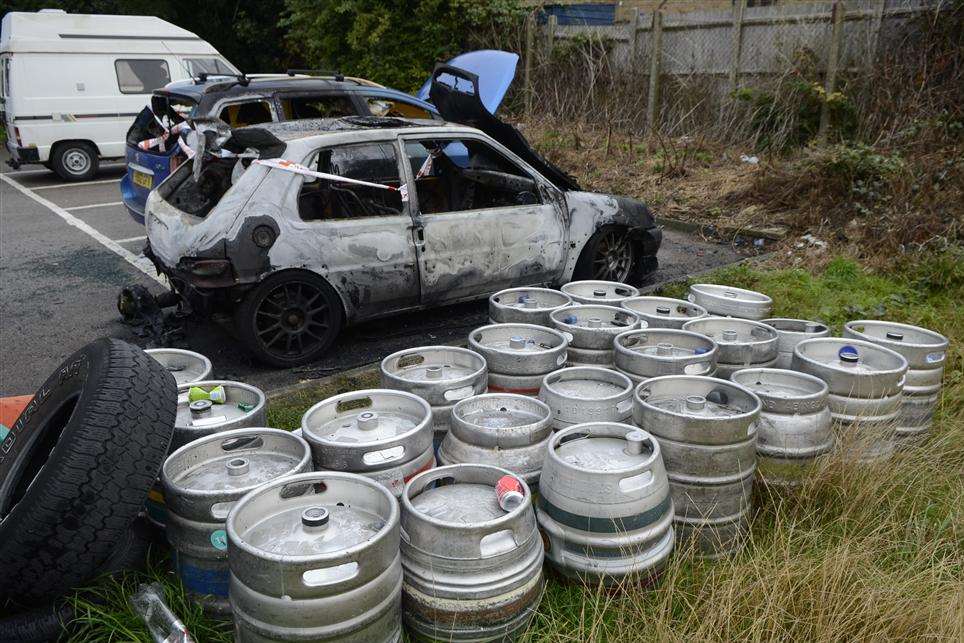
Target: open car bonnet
456,94
495,70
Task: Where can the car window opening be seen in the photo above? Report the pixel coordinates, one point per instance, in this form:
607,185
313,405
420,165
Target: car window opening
321,199
251,112
387,107
455,175
302,107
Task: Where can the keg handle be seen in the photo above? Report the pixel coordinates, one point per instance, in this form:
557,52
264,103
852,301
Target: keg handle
636,482
322,576
461,393
382,456
625,405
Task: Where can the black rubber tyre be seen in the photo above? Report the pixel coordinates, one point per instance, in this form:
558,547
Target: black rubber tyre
74,161
48,623
290,318
77,468
610,245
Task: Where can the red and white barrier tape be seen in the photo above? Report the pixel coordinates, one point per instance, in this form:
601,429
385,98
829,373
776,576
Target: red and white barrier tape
298,168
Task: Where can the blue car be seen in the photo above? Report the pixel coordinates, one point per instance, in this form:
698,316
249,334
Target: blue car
240,101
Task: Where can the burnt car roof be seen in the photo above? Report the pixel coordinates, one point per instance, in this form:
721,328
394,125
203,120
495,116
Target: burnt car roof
226,86
294,130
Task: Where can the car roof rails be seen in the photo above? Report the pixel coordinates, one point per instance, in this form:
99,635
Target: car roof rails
339,77
240,79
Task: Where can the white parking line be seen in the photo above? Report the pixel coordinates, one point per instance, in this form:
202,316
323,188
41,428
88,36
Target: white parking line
141,263
130,239
94,205
103,166
73,185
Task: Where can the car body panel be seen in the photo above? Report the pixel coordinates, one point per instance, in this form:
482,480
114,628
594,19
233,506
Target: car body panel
495,70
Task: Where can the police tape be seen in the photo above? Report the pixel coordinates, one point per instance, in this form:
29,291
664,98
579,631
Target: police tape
298,168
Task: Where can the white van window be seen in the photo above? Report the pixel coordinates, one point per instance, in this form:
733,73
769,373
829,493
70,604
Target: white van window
210,66
5,81
141,76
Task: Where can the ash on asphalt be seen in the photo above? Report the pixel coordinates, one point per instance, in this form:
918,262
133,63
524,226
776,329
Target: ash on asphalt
58,288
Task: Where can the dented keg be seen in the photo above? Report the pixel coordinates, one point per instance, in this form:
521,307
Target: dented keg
382,434
791,332
440,375
925,352
706,430
590,330
741,343
502,430
243,406
866,382
641,354
186,366
473,571
606,293
663,312
581,394
526,305
315,557
604,503
727,301
794,425
202,482
518,355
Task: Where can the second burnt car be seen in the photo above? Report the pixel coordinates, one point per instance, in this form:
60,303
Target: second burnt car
379,216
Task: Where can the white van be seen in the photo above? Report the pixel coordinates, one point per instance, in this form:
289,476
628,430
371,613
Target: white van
71,84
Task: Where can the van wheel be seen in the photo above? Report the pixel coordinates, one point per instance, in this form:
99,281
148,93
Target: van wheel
290,318
74,161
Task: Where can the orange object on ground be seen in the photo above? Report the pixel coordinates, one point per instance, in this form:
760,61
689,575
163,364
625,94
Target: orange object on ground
12,407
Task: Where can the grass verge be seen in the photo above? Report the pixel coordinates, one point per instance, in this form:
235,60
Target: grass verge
857,553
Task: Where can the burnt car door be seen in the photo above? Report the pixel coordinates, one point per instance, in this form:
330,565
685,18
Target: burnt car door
359,237
483,221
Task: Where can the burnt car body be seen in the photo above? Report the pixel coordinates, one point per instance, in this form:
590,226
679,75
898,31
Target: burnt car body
295,257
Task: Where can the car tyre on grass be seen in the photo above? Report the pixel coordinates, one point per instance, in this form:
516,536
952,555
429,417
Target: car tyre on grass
74,161
290,318
76,468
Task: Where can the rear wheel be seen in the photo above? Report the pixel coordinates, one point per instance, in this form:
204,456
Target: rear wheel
74,161
291,318
609,255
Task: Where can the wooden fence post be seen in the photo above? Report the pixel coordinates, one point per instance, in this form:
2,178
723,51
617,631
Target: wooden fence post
527,70
634,37
655,53
875,22
738,8
551,25
832,61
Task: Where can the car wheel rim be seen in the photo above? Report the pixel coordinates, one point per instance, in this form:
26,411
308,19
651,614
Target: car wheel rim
614,257
292,320
76,161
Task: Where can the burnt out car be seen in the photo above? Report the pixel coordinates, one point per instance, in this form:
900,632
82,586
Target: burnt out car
367,217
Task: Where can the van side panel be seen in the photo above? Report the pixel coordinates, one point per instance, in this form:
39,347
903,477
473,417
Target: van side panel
60,97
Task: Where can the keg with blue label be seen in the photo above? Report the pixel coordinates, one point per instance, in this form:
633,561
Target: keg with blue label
202,482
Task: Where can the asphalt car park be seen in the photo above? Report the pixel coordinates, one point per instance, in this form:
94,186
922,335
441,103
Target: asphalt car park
67,249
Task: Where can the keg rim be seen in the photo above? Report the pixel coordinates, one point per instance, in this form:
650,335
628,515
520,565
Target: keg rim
391,521
607,374
509,517
170,483
481,350
615,310
484,397
825,327
899,372
626,303
753,296
585,427
674,332
203,359
398,355
258,407
502,293
634,292
823,387
941,342
752,323
333,401
638,400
